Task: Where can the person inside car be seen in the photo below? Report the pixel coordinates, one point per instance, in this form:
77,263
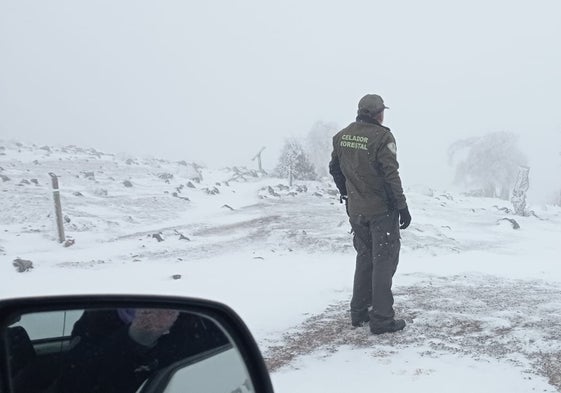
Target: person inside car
117,350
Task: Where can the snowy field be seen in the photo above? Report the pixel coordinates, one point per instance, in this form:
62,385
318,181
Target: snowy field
481,299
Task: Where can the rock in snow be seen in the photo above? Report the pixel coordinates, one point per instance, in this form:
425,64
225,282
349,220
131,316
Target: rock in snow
22,265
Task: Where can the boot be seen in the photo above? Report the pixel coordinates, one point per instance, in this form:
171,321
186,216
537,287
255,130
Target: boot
390,326
358,319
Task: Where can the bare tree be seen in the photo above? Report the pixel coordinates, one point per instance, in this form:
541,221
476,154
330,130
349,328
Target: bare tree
258,158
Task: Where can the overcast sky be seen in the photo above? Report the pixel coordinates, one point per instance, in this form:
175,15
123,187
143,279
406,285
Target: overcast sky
214,81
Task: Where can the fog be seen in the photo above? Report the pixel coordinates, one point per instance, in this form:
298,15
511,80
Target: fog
215,82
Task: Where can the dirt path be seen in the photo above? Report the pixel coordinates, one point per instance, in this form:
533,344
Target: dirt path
476,315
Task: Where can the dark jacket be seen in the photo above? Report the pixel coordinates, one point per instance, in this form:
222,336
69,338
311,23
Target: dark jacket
106,360
365,168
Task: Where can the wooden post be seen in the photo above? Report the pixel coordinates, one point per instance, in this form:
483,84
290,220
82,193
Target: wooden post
58,208
258,157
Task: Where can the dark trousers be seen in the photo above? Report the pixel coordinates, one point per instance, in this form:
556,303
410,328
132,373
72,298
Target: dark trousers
376,241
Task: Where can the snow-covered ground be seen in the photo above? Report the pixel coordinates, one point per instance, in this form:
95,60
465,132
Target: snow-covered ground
482,300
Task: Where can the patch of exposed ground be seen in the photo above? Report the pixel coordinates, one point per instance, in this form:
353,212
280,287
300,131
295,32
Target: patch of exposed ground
469,315
257,223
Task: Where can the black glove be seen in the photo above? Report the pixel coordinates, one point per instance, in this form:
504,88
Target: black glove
404,218
344,198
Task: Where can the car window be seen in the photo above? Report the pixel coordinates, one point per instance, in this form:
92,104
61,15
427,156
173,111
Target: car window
49,325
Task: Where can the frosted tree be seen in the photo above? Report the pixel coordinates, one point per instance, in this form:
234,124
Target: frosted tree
294,162
521,186
319,145
557,198
488,164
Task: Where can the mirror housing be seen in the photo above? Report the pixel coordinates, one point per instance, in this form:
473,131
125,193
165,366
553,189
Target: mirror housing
247,352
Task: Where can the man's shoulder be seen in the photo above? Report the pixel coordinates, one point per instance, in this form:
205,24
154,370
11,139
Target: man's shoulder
360,127
381,127
382,135
383,131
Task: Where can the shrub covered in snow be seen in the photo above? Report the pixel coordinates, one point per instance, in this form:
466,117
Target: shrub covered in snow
294,162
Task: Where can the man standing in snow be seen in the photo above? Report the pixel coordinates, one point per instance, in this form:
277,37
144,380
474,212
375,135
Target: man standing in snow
365,169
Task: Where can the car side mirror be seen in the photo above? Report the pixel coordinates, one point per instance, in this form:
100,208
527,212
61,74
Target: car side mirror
119,343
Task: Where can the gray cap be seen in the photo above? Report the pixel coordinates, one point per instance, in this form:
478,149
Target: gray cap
371,104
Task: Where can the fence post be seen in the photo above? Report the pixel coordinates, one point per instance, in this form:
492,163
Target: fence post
58,208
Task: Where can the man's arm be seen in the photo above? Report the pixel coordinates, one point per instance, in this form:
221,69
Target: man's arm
387,159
